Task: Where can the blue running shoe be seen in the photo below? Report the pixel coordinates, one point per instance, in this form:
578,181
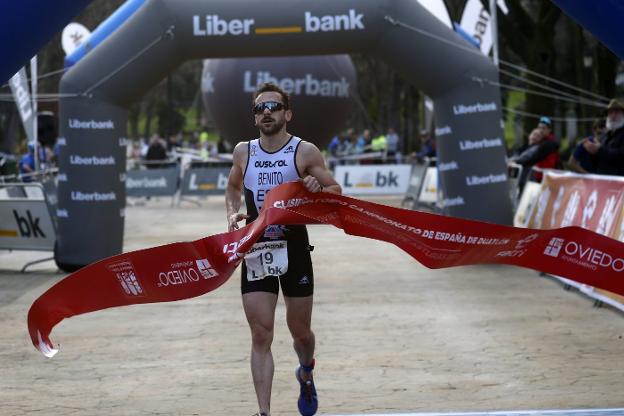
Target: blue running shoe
308,402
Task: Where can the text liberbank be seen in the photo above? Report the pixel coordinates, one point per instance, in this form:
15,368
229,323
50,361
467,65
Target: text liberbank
213,25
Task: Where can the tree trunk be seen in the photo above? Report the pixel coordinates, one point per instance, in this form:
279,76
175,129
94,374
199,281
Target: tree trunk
148,121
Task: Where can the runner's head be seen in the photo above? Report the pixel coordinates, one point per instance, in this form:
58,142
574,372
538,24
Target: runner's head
271,109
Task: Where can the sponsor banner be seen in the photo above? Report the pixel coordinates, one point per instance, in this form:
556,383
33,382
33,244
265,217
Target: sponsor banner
589,201
205,181
476,22
214,25
184,270
152,182
464,109
26,225
91,181
21,95
76,123
594,202
308,85
471,155
373,179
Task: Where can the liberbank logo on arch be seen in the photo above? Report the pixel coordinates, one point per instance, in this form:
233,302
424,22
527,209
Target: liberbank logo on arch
214,25
307,85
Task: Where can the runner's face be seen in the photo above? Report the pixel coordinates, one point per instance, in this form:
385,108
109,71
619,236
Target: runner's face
269,122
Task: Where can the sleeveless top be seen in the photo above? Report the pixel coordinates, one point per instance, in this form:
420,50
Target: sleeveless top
264,171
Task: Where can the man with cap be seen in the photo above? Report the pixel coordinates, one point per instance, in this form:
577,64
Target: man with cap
608,153
548,155
545,125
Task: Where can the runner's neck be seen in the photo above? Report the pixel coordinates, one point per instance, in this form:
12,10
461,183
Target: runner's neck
275,142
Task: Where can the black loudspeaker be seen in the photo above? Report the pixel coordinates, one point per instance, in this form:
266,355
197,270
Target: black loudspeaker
47,128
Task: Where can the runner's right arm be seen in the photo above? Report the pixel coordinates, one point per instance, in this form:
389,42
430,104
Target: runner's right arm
234,187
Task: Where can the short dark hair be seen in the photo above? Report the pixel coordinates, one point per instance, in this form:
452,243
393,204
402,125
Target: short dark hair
599,123
269,87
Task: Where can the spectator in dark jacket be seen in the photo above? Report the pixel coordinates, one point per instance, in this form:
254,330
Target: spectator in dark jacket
157,151
581,161
608,152
542,152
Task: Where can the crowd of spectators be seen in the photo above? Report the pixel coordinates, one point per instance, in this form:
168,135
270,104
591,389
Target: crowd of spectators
153,152
28,164
600,153
604,152
382,147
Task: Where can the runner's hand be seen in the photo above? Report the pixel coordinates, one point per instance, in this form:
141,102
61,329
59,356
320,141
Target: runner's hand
312,184
234,219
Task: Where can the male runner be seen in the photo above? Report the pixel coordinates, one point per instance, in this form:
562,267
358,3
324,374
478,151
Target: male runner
283,253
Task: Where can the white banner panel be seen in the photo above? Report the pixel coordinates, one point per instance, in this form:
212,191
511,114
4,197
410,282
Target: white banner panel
373,179
476,22
527,202
429,189
21,94
26,225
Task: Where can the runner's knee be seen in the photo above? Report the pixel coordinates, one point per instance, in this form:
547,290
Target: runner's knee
261,336
303,336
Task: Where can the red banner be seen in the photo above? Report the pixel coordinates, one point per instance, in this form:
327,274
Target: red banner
184,270
594,202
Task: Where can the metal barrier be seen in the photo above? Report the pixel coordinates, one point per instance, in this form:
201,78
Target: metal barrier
357,159
202,180
26,220
180,177
423,188
514,175
153,181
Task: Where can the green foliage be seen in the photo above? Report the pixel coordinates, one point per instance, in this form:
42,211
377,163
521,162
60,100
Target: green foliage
514,100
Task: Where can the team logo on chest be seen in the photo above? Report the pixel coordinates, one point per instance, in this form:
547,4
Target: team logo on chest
270,164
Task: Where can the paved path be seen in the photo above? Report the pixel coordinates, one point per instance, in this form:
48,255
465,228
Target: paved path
393,337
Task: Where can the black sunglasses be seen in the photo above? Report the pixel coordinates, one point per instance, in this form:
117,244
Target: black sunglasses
272,106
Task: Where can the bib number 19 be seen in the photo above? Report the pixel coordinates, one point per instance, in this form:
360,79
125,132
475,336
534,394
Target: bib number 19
266,259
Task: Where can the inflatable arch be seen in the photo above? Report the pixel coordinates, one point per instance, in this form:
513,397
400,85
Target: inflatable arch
163,33
26,26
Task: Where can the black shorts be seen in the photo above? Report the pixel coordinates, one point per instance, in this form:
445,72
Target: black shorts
297,282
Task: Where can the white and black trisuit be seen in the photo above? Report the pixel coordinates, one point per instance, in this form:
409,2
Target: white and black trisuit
263,172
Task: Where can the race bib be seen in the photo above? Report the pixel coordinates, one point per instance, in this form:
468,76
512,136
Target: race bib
269,258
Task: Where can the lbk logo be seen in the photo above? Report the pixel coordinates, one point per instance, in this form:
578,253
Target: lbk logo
382,180
28,226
